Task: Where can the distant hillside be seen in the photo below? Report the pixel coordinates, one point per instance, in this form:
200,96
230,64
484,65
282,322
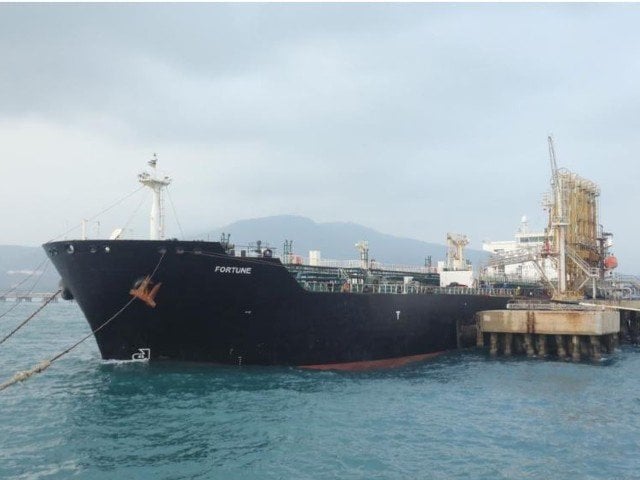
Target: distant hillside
335,240
17,263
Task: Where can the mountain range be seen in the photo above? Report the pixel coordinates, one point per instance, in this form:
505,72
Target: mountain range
335,240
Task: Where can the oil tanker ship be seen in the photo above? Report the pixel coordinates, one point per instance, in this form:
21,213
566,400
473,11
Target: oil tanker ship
163,299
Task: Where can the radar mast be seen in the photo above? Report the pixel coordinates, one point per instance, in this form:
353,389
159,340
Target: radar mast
156,184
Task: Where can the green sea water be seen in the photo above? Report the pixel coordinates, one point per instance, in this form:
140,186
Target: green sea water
459,416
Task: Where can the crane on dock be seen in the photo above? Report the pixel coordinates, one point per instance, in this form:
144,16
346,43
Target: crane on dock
574,240
557,218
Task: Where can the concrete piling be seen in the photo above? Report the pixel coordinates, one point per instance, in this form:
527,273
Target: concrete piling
494,345
609,342
518,331
528,345
575,348
561,350
630,327
508,343
595,347
479,337
542,345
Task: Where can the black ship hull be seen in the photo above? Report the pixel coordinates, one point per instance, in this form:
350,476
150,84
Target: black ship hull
201,304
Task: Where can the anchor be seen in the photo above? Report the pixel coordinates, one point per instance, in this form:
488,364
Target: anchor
146,291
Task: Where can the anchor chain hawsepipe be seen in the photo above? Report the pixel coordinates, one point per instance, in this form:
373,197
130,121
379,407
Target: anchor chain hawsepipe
43,365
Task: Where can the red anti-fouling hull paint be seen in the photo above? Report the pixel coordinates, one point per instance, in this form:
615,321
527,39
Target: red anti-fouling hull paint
214,307
384,363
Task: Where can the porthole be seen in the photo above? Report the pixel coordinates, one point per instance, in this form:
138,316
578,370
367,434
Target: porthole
93,249
107,249
70,249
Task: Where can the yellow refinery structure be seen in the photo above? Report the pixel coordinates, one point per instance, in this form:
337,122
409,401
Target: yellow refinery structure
570,256
575,243
579,244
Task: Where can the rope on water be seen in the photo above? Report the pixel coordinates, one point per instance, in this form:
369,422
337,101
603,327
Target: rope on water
42,366
49,300
113,317
22,376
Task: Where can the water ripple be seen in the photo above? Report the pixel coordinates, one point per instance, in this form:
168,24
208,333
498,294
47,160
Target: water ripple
459,416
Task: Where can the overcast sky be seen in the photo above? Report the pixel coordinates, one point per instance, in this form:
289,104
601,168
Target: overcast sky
415,120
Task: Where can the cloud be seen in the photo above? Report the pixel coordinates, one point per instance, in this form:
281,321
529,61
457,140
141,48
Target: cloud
413,119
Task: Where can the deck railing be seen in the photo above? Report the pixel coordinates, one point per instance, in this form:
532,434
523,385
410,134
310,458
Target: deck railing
374,265
399,289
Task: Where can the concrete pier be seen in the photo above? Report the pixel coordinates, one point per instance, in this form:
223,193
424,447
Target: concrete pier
27,297
549,331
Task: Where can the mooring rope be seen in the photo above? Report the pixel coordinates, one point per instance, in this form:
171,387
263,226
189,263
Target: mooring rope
42,366
135,212
49,300
33,287
104,210
17,285
113,317
175,215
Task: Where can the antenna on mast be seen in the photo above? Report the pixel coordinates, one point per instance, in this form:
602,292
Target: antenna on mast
156,184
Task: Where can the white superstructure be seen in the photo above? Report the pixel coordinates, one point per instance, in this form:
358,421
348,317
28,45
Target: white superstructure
456,270
509,255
